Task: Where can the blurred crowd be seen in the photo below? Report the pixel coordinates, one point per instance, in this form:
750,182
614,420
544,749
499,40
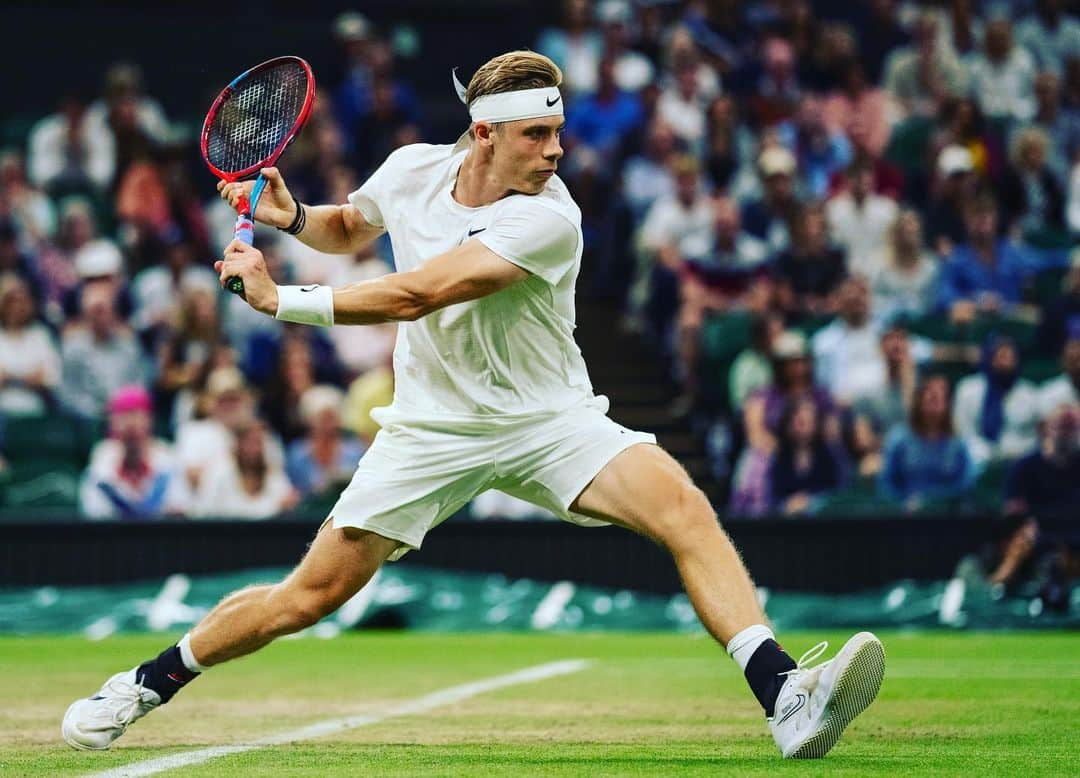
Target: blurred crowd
848,228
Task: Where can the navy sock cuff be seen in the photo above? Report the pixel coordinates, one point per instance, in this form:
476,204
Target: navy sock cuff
166,674
763,673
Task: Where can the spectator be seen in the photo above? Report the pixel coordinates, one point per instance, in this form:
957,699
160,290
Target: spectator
767,219
65,156
1003,74
727,273
793,381
996,410
922,76
1065,388
1061,317
351,75
249,483
99,261
633,71
848,361
859,102
805,467
1062,127
99,354
881,34
671,223
776,92
188,350
56,262
986,275
890,406
647,177
324,458
133,120
30,209
820,152
925,461
1045,481
226,405
955,185
15,261
131,474
157,290
682,106
1031,197
603,121
859,221
293,377
29,361
810,272
728,144
575,47
1050,35
906,280
752,368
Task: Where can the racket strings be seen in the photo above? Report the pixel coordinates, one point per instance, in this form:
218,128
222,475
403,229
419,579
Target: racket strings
256,117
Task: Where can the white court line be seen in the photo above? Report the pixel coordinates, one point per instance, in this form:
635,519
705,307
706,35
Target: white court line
423,704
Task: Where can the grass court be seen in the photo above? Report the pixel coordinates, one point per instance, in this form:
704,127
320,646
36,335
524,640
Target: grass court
645,704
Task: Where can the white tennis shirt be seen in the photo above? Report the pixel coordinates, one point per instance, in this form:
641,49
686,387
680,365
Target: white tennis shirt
501,359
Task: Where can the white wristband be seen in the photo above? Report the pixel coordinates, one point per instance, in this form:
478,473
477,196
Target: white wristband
312,304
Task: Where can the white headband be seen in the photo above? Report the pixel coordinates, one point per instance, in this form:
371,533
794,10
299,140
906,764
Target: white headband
511,106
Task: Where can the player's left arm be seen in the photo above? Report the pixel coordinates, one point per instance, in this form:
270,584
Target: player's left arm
467,272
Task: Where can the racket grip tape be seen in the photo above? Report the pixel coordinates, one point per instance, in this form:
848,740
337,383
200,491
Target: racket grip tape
243,231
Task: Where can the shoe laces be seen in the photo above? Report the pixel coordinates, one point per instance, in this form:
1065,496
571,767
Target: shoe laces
126,702
803,673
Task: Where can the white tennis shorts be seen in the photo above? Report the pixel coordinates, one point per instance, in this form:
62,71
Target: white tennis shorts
411,479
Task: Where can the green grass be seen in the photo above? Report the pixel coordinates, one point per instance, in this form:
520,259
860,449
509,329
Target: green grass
951,704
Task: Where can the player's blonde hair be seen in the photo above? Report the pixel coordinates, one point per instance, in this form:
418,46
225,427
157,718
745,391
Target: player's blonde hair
513,71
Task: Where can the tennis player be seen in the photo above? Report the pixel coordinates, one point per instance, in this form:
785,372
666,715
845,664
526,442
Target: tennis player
491,392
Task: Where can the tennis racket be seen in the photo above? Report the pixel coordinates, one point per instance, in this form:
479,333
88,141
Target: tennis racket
248,127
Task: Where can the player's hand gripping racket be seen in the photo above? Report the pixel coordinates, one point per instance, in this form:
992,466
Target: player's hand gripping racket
248,127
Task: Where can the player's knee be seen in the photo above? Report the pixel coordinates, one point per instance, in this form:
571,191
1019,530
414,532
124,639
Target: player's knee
690,515
301,608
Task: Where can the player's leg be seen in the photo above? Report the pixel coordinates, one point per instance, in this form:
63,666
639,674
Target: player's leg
645,489
338,564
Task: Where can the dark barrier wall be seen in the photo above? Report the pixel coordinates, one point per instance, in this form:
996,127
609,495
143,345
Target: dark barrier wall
833,555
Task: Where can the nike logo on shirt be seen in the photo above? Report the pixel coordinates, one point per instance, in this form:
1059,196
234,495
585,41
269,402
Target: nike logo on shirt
473,232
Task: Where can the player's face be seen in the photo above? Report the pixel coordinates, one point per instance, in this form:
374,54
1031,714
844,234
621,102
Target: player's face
527,152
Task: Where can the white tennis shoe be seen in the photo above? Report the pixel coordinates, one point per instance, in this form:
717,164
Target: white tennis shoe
817,703
95,722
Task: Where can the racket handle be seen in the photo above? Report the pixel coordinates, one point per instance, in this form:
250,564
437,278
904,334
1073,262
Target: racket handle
245,227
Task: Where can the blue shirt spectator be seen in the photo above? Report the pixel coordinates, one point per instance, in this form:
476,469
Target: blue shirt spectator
987,271
603,120
925,460
324,457
964,276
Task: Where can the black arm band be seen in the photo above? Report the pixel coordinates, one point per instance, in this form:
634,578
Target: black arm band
298,222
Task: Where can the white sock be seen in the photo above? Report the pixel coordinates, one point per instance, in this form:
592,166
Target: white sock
188,658
744,644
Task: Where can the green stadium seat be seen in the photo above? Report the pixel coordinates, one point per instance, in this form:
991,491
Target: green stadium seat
58,437
1046,286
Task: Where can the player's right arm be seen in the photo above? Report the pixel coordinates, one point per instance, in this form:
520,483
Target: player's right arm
331,229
